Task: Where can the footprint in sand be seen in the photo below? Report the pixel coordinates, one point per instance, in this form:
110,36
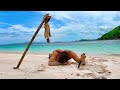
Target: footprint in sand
97,71
77,74
94,75
41,67
99,76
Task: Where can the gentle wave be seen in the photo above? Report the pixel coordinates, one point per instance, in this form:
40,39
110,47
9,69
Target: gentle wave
88,47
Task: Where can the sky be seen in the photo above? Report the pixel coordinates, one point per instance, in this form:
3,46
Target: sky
65,26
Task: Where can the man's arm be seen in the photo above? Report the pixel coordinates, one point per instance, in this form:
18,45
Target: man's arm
53,60
54,55
75,57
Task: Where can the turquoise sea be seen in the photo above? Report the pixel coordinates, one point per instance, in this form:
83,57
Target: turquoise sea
100,47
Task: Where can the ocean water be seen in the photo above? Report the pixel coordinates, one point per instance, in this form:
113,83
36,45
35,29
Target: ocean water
100,47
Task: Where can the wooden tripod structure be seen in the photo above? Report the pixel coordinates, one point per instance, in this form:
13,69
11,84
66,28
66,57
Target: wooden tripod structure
45,20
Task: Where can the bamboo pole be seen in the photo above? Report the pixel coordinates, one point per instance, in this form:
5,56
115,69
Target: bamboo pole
30,43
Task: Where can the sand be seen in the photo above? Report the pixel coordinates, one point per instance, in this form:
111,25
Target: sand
35,66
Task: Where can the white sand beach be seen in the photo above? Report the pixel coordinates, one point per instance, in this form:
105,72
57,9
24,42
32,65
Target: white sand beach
35,66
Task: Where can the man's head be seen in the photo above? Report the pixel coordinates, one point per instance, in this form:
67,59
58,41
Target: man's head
63,57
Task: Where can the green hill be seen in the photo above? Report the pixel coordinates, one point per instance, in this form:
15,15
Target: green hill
113,34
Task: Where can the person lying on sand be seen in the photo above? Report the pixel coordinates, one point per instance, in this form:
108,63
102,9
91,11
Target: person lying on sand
59,57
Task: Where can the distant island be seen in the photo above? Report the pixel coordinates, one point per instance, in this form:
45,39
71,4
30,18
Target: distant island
84,40
111,35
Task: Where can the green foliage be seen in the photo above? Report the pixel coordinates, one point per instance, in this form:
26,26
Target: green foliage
113,34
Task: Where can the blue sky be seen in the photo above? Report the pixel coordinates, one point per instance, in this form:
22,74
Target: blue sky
19,26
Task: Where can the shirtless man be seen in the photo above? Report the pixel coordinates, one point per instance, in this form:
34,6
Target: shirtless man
59,57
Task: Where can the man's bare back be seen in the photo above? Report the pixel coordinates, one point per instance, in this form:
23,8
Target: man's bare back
54,60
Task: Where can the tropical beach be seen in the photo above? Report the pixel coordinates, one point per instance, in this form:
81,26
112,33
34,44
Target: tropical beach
27,39
35,64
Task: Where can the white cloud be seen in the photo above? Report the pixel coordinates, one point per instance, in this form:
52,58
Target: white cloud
95,22
3,23
19,33
19,28
73,15
78,25
59,15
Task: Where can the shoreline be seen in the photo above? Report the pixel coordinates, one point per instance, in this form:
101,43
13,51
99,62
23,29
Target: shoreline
39,53
23,52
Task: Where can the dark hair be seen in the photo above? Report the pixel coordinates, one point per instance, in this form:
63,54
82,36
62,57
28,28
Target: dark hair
63,57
